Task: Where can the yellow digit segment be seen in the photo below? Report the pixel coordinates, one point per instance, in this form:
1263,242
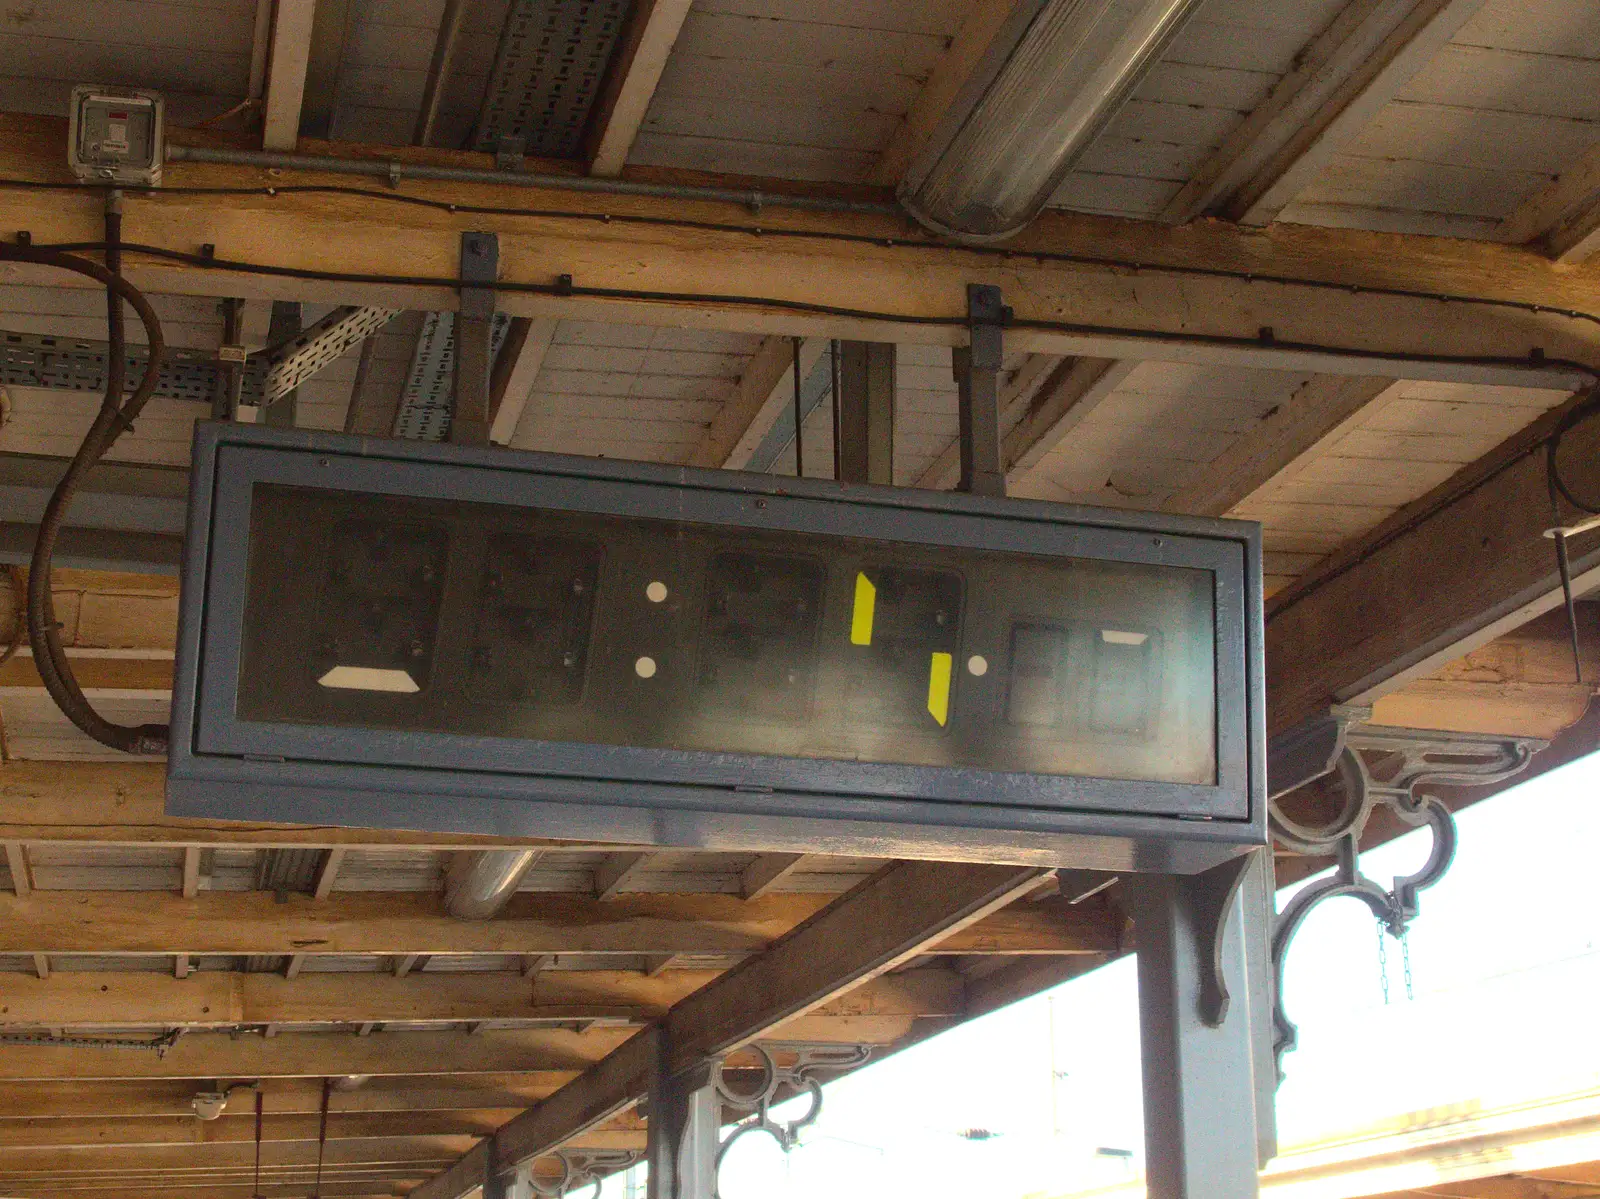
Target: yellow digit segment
861,617
939,688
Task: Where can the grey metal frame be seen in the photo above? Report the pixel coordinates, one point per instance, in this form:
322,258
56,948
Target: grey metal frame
220,767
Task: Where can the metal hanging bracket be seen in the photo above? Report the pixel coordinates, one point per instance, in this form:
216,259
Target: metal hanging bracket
474,331
977,370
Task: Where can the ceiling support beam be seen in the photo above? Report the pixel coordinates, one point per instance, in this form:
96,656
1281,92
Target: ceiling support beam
619,872
287,62
767,872
635,71
191,871
1074,389
219,999
1371,50
516,369
984,19
873,285
317,1055
885,921
1282,443
17,864
764,392
1442,576
327,873
1563,219
404,925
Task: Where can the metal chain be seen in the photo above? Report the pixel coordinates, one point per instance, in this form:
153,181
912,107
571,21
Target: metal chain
1383,964
1405,956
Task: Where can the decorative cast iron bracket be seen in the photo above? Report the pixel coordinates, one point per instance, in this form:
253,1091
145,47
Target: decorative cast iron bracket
582,1168
813,1063
1379,765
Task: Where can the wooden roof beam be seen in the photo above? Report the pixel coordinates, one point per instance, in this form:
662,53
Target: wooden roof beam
1563,218
765,389
842,283
408,924
630,83
1444,575
1339,82
882,923
214,998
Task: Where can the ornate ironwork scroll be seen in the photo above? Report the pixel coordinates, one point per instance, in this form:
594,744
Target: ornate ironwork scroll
777,1083
582,1168
1382,766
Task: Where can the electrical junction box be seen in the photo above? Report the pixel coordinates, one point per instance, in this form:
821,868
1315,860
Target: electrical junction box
115,135
409,634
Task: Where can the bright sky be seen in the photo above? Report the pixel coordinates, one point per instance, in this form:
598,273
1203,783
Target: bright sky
1506,970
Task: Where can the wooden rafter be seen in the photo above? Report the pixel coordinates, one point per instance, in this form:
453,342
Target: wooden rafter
631,82
401,924
1368,53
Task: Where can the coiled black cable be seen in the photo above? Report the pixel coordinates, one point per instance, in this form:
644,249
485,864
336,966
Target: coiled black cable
115,417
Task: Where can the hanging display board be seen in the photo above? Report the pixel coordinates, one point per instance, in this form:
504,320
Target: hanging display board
431,636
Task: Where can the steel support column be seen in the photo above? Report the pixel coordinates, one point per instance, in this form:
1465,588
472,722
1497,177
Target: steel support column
1203,1006
866,412
685,1116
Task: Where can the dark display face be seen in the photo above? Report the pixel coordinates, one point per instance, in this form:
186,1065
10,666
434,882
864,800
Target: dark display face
443,616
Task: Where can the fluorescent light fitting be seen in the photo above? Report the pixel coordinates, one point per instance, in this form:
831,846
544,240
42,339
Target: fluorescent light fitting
1050,82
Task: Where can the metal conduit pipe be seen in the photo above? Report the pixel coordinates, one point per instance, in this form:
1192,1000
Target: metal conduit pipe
479,883
394,172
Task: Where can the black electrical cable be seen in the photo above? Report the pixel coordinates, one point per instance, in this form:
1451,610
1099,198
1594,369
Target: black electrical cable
115,417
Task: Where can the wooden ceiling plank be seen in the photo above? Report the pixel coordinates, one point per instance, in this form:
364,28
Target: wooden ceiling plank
413,925
631,83
1339,83
885,921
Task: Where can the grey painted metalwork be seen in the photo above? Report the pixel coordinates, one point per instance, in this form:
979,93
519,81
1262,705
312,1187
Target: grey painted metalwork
294,360
395,172
579,1168
79,364
425,401
547,74
866,411
474,339
286,328
126,517
977,369
688,1112
1207,1120
664,797
479,883
1381,765
816,388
